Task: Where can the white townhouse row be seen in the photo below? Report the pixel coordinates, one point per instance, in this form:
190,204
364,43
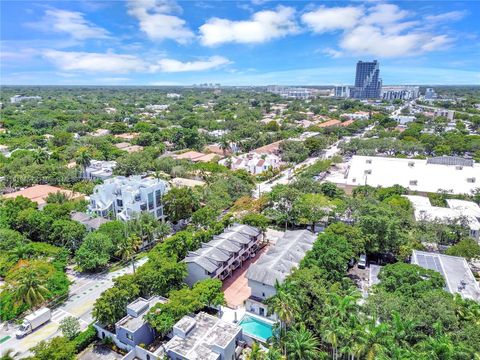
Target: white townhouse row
274,266
221,256
126,197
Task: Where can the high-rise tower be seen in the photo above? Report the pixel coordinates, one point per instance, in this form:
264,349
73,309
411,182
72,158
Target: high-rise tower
368,84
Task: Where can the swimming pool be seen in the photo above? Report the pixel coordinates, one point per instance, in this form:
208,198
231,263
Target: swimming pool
256,327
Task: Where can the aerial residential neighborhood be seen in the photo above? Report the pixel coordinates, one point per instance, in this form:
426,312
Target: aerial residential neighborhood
250,180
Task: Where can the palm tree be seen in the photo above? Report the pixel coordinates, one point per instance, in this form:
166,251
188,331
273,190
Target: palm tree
224,145
83,158
163,230
438,346
301,344
374,341
285,306
255,353
273,354
29,289
127,248
40,157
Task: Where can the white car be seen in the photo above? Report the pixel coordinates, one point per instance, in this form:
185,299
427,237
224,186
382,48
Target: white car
362,263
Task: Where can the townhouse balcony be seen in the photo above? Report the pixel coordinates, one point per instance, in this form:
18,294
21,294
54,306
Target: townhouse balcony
224,274
235,265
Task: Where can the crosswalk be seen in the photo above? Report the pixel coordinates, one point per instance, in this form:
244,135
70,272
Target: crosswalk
59,314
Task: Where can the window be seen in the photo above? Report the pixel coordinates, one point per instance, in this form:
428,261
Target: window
119,202
143,207
354,180
369,161
158,197
150,201
458,167
137,197
159,213
413,182
411,164
368,172
129,336
471,180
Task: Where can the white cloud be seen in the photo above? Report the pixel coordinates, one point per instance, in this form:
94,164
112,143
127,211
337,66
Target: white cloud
95,62
371,40
72,23
263,26
332,52
328,19
382,30
383,14
172,65
445,17
121,63
156,20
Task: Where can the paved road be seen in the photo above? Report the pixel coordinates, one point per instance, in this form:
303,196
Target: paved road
83,293
288,175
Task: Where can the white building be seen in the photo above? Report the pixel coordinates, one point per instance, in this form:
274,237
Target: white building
159,107
292,92
449,114
19,98
454,269
99,169
453,174
274,266
126,197
430,94
400,92
341,91
404,119
253,162
174,96
359,115
458,212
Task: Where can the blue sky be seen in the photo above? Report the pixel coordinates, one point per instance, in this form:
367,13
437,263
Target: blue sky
258,42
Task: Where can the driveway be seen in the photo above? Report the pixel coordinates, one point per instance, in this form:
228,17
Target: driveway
235,288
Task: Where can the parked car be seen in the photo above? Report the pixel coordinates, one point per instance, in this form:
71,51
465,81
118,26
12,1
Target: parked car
362,262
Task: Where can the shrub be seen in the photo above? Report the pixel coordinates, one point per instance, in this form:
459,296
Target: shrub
85,338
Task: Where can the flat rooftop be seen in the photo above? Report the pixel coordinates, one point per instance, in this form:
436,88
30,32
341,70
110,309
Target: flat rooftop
457,211
458,277
206,332
455,175
132,323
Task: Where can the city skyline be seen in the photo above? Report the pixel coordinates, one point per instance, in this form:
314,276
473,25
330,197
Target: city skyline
237,43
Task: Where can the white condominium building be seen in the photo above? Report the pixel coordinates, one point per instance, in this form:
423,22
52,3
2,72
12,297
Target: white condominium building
126,197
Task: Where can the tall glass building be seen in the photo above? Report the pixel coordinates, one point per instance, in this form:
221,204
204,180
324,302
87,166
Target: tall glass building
368,84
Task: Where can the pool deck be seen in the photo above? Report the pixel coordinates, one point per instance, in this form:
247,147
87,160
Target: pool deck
235,288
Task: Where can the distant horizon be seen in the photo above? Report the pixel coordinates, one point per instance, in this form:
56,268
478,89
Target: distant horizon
225,86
